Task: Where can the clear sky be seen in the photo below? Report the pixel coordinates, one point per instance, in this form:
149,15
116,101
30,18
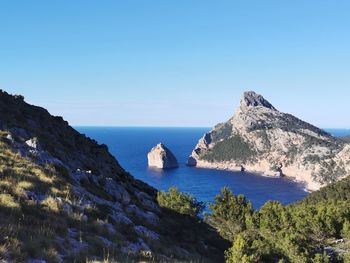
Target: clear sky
177,62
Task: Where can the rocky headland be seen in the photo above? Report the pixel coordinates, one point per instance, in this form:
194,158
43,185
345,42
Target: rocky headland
261,139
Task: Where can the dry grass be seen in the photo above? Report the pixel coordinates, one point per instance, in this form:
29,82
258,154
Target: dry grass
30,227
8,201
27,228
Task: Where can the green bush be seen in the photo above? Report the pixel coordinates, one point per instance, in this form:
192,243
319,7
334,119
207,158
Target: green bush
278,233
222,131
180,202
230,214
346,229
240,252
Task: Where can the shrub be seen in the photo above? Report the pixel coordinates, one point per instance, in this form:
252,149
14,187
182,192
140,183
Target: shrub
346,229
180,202
240,252
230,214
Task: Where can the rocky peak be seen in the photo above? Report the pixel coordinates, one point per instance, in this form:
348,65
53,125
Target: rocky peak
252,99
271,142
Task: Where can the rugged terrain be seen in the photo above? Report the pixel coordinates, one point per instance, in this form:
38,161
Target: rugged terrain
65,198
259,138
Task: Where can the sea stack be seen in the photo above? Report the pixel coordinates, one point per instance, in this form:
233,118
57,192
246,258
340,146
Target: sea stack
161,157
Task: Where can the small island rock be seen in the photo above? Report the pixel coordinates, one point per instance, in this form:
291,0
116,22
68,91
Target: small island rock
161,157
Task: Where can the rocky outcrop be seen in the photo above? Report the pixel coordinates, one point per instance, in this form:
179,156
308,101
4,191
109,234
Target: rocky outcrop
259,138
161,157
64,191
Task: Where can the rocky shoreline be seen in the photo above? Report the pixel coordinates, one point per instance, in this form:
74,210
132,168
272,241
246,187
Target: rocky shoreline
224,166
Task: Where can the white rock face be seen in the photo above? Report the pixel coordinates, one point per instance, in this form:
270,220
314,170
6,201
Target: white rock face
262,139
33,143
161,157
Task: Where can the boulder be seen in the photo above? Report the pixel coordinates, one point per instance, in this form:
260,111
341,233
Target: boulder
161,157
33,143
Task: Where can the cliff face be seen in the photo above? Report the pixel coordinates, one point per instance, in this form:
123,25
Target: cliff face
65,198
259,138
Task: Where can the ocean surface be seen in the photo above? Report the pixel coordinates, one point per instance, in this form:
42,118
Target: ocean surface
131,145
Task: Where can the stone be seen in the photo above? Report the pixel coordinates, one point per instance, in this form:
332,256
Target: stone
147,216
251,99
33,143
144,232
117,190
161,157
121,218
9,138
147,202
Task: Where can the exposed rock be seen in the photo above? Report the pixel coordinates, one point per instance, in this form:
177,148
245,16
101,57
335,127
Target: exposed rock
111,229
149,217
33,143
251,99
36,261
147,202
259,138
161,157
146,233
117,190
9,138
121,218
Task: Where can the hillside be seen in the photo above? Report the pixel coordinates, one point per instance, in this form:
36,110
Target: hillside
259,138
314,230
65,198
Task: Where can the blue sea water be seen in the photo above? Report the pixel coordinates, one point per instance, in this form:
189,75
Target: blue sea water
131,145
339,132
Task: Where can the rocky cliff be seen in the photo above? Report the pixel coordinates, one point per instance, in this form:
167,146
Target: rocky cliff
161,157
65,198
259,138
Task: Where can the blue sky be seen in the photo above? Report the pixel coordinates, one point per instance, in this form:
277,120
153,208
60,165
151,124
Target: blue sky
177,63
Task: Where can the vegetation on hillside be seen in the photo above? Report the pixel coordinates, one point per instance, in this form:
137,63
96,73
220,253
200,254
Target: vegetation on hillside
66,199
221,131
233,148
41,218
339,191
179,202
28,227
303,232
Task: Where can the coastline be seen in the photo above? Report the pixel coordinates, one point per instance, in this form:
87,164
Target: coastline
302,177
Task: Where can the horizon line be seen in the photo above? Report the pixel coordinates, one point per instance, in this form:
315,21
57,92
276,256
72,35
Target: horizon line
164,126
140,126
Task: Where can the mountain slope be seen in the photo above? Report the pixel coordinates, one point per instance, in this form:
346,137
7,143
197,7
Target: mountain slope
259,138
64,198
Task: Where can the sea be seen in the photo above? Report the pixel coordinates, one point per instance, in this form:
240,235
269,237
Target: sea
130,146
